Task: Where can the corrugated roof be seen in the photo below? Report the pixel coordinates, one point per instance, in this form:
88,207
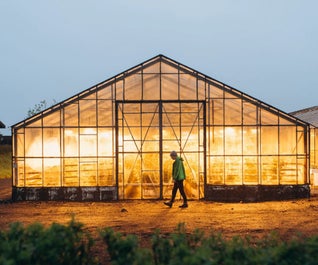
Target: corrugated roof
309,115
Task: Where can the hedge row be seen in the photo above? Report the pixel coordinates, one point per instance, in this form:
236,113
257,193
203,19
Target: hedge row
70,244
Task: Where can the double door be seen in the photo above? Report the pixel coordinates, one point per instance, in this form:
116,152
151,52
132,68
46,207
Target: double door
146,133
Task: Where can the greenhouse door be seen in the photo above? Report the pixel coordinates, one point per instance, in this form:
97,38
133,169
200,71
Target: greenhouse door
146,132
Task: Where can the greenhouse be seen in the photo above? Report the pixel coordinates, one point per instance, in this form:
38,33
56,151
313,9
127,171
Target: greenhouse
112,141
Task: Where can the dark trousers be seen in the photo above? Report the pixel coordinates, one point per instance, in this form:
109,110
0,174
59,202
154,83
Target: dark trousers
178,184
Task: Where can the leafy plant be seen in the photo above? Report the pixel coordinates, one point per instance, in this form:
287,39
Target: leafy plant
57,244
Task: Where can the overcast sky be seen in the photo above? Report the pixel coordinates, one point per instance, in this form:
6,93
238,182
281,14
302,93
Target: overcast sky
51,50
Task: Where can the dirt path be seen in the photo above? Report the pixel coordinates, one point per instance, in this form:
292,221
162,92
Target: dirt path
144,217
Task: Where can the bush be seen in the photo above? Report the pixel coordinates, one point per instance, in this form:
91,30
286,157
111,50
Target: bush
198,249
35,244
70,244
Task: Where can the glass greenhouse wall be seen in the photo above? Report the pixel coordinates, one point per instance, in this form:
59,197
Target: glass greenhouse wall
113,141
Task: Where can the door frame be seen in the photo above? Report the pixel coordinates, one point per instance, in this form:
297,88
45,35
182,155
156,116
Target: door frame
161,113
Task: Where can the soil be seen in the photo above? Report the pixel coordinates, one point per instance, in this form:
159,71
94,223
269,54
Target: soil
143,217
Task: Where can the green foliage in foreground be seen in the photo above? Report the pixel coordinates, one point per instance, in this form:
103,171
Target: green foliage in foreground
70,244
5,161
35,245
196,248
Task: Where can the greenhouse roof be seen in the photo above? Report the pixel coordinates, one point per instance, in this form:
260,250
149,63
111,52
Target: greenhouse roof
309,115
173,65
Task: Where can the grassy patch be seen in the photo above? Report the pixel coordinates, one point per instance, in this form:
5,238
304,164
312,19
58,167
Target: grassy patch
5,161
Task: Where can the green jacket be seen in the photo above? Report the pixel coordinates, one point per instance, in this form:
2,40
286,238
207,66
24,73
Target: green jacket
178,172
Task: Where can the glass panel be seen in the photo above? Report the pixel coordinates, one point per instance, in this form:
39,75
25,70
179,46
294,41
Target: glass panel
233,170
316,147
269,170
20,173
35,121
89,95
233,111
150,119
52,119
133,87
71,115
233,141
105,142
119,90
169,145
20,143
250,145
87,112
301,143
105,93
287,140
217,112
288,170
283,121
105,113
33,142
216,141
249,114
88,172
269,140
106,173
149,146
171,119
301,170
51,142
268,118
216,92
151,86
71,173
215,174
313,150
153,68
201,90
228,95
52,172
166,68
70,142
150,175
188,87
169,87
33,172
250,170
88,145
132,176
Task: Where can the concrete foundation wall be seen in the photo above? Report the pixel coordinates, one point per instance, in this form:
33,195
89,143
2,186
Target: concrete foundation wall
256,193
220,193
64,194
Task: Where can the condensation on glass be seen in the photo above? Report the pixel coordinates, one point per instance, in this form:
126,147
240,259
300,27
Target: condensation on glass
120,133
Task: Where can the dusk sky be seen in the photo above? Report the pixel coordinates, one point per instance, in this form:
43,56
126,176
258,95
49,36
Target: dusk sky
52,50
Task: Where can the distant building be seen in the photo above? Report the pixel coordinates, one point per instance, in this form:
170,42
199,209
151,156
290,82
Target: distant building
310,115
2,125
5,140
113,140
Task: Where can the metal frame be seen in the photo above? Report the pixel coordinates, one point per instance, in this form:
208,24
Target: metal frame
207,119
162,112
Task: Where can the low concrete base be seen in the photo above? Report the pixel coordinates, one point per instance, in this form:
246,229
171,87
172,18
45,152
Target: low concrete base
220,193
255,193
64,194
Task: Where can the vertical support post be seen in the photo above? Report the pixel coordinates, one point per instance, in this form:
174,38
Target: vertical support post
160,150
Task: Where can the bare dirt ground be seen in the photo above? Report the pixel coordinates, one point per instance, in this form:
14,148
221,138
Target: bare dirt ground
142,218
139,216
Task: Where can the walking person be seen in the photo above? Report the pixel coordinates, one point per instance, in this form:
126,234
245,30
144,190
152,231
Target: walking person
178,175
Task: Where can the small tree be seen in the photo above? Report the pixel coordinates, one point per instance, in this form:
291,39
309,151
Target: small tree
38,108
